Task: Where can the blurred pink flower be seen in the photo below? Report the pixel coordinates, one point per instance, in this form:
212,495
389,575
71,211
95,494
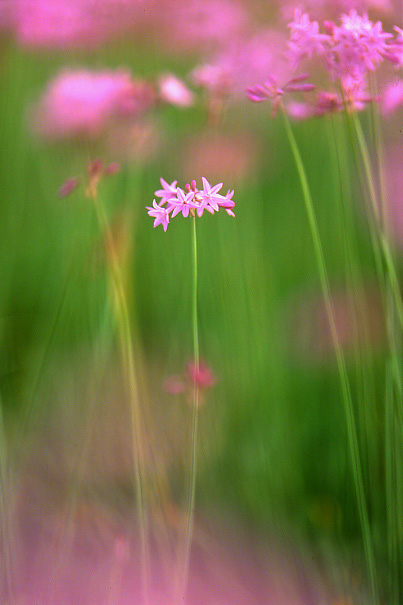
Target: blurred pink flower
174,385
244,63
68,186
205,23
79,103
270,90
305,39
351,50
72,23
202,375
173,91
331,9
391,97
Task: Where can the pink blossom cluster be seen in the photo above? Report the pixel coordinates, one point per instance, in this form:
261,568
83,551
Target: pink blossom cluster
243,62
69,23
352,49
79,103
200,374
271,90
189,200
204,22
348,52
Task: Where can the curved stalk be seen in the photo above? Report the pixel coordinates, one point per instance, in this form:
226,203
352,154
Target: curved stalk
345,386
128,357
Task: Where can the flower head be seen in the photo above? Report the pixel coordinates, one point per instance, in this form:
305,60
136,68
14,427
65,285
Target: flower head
80,103
173,91
167,192
190,200
160,214
271,90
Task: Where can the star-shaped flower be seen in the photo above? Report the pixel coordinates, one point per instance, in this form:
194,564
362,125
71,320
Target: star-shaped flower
167,191
160,214
182,203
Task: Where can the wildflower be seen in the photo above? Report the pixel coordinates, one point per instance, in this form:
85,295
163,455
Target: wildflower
392,97
270,90
95,171
207,22
70,23
68,186
172,90
112,168
160,214
305,40
209,195
356,47
193,200
182,203
200,374
243,63
79,103
167,191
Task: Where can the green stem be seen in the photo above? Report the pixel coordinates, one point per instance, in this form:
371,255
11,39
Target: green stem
127,350
345,386
195,417
383,238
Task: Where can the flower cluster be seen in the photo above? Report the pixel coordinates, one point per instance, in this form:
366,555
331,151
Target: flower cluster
270,89
352,49
189,200
82,103
349,52
199,374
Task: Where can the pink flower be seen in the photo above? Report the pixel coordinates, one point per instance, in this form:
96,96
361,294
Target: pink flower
167,191
270,90
174,385
350,50
182,203
327,102
172,90
392,97
209,196
194,199
72,23
358,46
227,203
79,103
198,22
201,374
305,40
68,186
160,214
245,62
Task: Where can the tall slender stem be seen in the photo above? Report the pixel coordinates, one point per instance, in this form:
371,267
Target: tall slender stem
195,417
345,386
128,356
383,237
